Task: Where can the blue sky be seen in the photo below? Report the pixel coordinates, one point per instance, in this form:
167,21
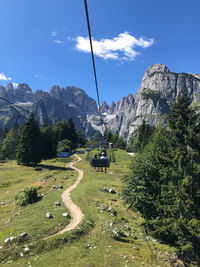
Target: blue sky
44,42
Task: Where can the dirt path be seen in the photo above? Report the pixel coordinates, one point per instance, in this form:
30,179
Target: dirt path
75,211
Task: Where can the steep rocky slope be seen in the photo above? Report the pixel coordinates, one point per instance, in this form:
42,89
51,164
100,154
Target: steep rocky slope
153,101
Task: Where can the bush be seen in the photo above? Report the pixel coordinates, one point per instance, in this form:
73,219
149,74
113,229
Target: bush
151,94
28,196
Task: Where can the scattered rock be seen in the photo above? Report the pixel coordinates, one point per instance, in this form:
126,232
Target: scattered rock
103,207
42,195
112,212
65,178
55,187
17,214
57,203
23,234
127,227
111,224
126,234
26,249
8,221
105,189
65,214
116,233
21,254
54,179
1,247
134,237
3,202
61,187
96,203
49,215
112,191
9,239
64,239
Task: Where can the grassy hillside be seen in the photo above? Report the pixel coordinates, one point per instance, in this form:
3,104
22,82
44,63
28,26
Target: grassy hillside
101,239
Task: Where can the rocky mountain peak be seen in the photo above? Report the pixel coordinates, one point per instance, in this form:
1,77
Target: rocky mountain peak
9,88
157,68
104,107
23,93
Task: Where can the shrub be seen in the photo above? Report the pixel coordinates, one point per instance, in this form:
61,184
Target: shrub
151,94
28,196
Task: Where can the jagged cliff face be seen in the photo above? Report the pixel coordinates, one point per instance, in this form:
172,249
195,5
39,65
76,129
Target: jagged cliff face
153,101
58,104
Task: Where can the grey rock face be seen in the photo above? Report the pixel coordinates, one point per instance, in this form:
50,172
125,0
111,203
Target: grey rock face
153,101
75,98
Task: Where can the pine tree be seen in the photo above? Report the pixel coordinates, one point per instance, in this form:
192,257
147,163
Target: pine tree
120,143
142,136
48,141
4,133
72,135
10,143
29,148
164,183
185,141
61,131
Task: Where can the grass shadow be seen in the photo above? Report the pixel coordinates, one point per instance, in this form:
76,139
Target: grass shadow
52,167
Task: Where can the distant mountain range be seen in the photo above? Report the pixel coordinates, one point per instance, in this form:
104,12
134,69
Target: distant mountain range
153,101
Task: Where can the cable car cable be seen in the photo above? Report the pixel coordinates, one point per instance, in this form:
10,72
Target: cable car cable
14,104
93,62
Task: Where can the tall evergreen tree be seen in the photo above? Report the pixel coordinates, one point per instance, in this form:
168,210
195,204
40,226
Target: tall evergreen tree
4,133
10,143
48,141
164,183
80,137
61,131
141,137
29,148
72,135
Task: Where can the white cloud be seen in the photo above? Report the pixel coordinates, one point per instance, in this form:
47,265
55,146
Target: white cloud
54,33
4,77
40,76
57,41
120,48
15,85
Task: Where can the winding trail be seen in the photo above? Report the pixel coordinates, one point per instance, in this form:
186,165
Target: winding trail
75,211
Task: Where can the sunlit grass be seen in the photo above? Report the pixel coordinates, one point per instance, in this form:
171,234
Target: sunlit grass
93,242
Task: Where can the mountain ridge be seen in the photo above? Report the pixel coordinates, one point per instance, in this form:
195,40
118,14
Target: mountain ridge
152,102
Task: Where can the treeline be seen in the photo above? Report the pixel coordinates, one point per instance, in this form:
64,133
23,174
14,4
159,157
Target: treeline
29,144
109,137
164,179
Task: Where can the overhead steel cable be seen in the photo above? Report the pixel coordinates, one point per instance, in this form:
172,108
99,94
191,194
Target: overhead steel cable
14,104
93,62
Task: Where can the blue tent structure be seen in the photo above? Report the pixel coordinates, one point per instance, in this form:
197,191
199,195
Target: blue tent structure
63,154
80,152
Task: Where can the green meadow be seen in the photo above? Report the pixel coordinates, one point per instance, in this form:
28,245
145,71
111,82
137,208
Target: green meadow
101,239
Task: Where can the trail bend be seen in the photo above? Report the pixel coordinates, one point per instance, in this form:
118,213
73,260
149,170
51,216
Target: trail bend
75,211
